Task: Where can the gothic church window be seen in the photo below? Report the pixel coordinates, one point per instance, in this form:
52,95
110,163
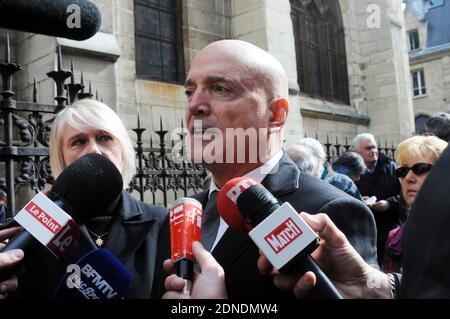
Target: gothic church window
320,49
159,49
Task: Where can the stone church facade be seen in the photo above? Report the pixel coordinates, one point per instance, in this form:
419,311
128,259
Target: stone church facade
347,61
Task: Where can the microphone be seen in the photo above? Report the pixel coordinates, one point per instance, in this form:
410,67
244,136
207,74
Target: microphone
185,229
71,19
281,234
87,188
97,275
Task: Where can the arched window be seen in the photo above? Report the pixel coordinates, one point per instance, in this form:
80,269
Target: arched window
158,40
421,120
320,49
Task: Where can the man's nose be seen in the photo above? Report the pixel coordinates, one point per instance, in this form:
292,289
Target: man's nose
199,103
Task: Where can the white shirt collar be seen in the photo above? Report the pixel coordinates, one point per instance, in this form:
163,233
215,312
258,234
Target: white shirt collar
258,174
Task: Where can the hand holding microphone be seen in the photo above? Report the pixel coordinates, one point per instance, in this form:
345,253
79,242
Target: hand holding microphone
209,284
89,187
353,277
185,233
284,238
185,228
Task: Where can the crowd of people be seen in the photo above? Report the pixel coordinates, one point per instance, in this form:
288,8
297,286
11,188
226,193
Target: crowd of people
360,205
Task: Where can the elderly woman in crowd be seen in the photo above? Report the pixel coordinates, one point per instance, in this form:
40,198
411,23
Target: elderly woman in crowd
309,156
131,228
350,164
415,158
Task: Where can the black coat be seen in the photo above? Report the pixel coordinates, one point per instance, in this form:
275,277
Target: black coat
238,254
384,184
132,239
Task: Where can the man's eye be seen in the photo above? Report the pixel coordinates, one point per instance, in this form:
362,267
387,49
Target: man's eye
220,88
189,93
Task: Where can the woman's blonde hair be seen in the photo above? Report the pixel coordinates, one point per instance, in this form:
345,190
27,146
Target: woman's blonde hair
420,146
84,115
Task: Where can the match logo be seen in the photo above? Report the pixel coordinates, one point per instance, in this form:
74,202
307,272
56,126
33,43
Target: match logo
283,235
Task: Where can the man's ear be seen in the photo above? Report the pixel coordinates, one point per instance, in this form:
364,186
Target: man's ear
279,112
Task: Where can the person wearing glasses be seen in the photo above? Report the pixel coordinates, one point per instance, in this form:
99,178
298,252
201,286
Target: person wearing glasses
379,181
415,157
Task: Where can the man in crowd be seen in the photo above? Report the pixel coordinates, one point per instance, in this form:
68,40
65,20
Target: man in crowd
381,181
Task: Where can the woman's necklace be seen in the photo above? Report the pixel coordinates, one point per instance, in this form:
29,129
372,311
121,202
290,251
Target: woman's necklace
98,241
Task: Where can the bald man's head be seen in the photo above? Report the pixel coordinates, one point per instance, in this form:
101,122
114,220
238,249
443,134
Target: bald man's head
260,67
238,96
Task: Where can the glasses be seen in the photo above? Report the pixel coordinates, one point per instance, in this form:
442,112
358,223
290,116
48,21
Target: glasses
418,169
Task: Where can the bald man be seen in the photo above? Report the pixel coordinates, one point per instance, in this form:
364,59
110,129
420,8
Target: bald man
237,109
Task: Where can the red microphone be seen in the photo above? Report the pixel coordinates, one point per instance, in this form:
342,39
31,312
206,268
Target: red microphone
278,230
227,205
185,229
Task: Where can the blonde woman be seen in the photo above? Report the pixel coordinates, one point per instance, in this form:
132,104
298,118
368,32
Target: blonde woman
129,230
415,158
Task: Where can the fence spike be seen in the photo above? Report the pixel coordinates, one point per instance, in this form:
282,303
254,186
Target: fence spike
59,58
7,50
72,76
34,91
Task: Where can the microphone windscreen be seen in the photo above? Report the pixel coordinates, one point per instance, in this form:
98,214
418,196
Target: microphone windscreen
227,203
185,227
90,185
97,275
72,19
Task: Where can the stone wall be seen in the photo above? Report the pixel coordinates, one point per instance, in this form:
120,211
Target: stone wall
437,81
378,69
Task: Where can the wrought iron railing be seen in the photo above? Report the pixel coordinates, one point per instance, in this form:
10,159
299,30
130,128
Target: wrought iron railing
335,150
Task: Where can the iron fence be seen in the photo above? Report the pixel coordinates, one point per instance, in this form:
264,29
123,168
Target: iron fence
333,151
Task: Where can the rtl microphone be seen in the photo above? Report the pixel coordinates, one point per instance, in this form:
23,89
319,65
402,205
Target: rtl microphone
87,188
185,229
71,19
97,275
278,230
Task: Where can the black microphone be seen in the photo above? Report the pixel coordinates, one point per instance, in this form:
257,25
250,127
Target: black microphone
71,19
279,232
90,187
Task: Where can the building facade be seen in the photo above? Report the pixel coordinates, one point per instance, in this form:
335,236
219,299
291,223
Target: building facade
347,61
427,25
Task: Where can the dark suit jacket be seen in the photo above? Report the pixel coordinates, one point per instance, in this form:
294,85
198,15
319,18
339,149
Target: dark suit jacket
132,239
238,254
